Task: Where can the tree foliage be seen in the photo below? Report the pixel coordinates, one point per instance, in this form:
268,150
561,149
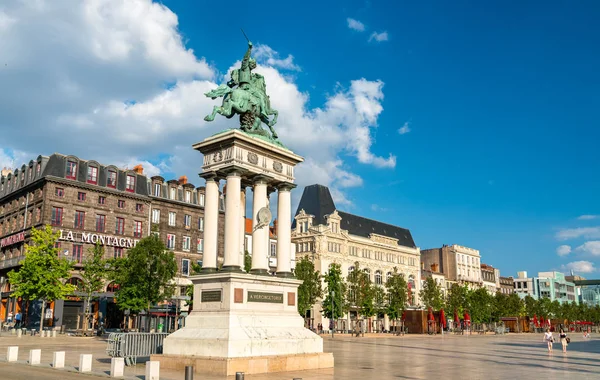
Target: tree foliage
42,274
360,291
334,305
397,291
457,298
311,288
94,275
431,294
480,305
144,275
247,261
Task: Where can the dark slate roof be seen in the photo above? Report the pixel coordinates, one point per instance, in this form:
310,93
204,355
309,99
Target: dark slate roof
55,165
317,201
357,225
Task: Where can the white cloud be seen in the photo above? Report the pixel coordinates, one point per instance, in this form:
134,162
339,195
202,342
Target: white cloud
404,129
573,233
563,250
590,247
95,74
377,208
266,55
587,217
379,37
355,25
579,267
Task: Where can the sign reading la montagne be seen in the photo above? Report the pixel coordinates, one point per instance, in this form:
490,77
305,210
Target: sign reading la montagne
85,237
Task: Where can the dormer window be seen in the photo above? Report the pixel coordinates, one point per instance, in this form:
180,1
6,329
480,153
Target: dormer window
30,173
71,169
188,196
130,187
38,169
157,189
92,175
111,181
22,178
172,195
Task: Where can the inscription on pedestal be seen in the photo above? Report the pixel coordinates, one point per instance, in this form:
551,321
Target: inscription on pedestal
210,296
265,297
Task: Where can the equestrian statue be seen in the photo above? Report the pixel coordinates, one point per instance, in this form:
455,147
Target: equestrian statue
246,95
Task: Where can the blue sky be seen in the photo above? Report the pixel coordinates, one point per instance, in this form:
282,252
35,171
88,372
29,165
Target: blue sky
500,98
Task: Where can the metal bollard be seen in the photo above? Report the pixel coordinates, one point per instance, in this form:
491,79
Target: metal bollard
189,372
239,376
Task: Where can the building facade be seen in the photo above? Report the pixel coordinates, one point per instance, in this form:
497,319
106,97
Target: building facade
459,264
551,285
507,285
327,235
490,277
88,202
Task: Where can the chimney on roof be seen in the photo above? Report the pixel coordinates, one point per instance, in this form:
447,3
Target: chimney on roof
182,180
139,169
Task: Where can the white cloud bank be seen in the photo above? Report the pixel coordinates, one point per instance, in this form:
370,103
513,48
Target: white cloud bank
587,217
355,25
112,80
379,37
404,129
579,267
563,250
590,247
574,233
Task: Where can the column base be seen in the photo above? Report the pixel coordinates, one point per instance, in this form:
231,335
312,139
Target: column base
285,274
260,272
208,270
232,268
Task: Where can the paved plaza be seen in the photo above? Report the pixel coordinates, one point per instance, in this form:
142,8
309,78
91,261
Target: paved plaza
371,357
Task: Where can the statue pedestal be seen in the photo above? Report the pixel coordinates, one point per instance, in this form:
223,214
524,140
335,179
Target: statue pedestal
244,323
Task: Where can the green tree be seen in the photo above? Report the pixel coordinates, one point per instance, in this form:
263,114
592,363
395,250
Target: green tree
144,275
480,305
379,299
42,274
94,274
360,291
397,291
457,298
311,288
531,308
334,307
431,294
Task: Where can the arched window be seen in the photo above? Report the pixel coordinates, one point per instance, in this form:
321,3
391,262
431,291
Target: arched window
378,278
75,281
413,290
350,269
388,276
368,272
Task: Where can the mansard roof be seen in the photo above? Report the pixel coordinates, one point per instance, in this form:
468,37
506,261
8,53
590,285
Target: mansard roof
317,201
55,166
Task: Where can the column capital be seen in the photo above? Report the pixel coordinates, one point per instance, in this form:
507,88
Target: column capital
286,186
262,179
210,176
233,170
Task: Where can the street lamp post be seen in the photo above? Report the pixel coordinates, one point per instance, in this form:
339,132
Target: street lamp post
332,314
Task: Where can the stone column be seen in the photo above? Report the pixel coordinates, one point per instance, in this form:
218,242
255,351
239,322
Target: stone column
232,222
242,224
284,238
211,224
260,236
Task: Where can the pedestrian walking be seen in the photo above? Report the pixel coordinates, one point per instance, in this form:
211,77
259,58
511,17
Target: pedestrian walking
18,320
548,338
564,340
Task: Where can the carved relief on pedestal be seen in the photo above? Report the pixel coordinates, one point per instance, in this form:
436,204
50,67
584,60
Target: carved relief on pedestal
217,156
277,166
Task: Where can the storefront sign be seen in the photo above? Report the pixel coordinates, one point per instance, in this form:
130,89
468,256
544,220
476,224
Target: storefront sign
85,237
12,239
210,296
265,297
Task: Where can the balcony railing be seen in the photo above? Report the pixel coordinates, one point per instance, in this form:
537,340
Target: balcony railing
12,262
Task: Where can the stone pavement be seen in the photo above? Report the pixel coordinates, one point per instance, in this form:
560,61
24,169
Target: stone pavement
487,357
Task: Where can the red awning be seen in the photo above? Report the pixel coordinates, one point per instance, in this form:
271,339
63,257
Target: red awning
443,318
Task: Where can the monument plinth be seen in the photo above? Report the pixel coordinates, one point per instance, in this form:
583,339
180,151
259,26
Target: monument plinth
245,322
